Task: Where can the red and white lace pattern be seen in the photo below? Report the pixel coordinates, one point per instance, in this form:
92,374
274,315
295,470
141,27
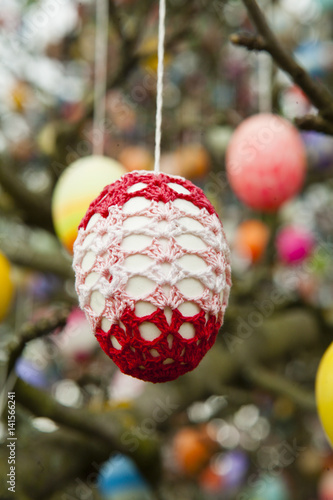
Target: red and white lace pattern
153,274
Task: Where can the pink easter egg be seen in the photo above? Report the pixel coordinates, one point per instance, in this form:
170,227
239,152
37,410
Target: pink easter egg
266,162
294,244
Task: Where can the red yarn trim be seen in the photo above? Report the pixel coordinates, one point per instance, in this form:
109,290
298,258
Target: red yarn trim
186,353
156,190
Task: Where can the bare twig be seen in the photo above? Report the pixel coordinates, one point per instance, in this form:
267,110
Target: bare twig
109,428
251,42
281,386
315,122
41,404
31,331
317,93
52,262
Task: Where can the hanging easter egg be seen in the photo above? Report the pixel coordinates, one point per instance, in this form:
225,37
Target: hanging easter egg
136,158
294,244
195,161
192,449
191,161
120,479
6,288
251,239
319,148
324,392
78,185
153,274
225,471
266,162
232,468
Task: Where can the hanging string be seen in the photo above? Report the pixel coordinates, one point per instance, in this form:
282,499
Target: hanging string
160,74
264,83
100,84
265,68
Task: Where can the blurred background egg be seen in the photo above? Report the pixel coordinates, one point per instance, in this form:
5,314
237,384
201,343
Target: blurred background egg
192,449
136,158
191,161
6,286
120,479
76,188
294,244
324,392
251,239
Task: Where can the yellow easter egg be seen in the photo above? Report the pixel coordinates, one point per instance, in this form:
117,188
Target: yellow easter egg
77,186
148,53
324,392
6,286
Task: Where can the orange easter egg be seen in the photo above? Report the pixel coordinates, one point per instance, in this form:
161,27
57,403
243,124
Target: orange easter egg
192,449
191,161
136,158
195,161
251,239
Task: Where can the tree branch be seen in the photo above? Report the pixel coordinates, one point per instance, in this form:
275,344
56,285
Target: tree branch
56,459
281,334
110,428
31,331
41,404
317,93
251,42
52,262
281,386
315,122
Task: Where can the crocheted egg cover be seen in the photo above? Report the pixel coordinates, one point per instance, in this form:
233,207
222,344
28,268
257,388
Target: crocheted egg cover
153,274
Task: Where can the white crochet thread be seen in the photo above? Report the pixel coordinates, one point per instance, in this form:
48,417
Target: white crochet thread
160,74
